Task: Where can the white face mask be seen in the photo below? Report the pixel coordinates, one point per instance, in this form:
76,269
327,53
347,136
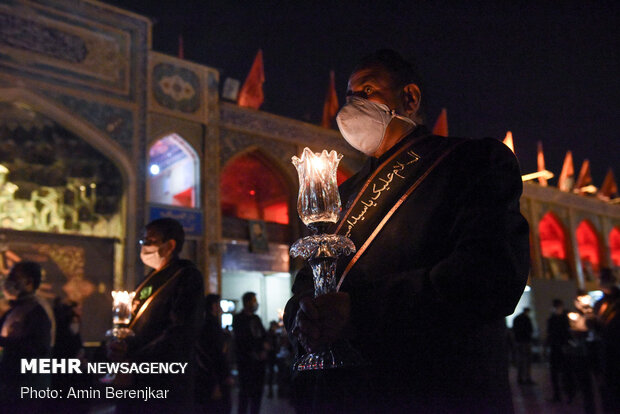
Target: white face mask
363,123
150,256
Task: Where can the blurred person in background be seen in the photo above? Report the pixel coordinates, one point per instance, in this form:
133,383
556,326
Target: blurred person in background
25,333
523,329
251,354
213,381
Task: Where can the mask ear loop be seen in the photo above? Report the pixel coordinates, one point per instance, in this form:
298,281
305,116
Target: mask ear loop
402,117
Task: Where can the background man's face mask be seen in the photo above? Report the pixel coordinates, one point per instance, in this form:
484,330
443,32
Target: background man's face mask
363,123
150,256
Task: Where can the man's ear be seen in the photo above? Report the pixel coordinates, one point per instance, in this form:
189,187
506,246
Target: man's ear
412,98
173,245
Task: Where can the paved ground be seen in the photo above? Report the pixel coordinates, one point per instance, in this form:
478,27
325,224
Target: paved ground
532,399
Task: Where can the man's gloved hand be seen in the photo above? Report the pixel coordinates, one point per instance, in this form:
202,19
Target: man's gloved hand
322,320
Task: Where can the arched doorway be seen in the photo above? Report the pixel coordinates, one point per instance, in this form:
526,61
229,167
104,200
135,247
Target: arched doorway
173,173
252,188
256,198
553,247
62,203
589,250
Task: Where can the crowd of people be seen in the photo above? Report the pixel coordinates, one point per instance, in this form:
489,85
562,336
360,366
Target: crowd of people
177,324
442,258
581,348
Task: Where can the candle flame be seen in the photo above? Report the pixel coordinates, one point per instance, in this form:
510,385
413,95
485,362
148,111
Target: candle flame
122,297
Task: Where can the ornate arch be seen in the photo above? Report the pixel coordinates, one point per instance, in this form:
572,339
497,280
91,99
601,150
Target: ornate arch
98,140
180,149
236,188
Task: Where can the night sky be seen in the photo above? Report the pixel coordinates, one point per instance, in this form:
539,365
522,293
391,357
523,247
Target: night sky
547,71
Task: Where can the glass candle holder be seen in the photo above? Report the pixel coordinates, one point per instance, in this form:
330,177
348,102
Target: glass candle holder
121,307
318,200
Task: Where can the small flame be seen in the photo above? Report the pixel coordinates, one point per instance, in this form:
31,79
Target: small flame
122,297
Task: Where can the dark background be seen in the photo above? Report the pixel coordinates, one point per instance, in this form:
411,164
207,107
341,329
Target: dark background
545,70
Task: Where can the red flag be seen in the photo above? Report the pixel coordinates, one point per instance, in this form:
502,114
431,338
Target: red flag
508,141
330,107
585,178
541,164
609,189
567,176
441,125
251,94
181,50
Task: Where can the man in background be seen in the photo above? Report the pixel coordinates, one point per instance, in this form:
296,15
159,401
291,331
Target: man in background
251,352
523,329
166,320
25,333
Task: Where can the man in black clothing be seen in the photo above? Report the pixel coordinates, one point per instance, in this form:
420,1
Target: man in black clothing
25,333
558,337
167,315
442,257
251,352
523,329
213,380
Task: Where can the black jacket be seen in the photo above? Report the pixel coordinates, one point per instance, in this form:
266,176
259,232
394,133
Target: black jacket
430,294
167,330
25,333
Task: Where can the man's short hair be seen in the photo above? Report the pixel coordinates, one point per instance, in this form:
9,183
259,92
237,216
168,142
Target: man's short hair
400,70
247,297
30,270
557,303
169,229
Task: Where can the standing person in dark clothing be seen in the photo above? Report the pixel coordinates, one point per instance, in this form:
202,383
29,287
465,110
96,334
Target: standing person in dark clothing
25,333
442,257
273,339
558,337
167,316
68,341
523,329
251,353
213,379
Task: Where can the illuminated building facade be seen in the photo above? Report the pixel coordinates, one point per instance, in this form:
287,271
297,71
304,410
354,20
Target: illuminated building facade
99,134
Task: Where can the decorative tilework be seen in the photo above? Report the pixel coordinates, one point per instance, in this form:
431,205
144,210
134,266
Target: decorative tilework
115,122
45,42
261,123
32,36
176,88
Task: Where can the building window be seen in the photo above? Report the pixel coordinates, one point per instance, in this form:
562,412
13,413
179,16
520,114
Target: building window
173,173
614,246
252,188
553,247
589,250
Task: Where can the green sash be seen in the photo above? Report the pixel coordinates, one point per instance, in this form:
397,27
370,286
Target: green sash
386,190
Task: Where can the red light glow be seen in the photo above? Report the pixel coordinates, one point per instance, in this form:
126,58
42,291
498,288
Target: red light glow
252,188
552,237
588,244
